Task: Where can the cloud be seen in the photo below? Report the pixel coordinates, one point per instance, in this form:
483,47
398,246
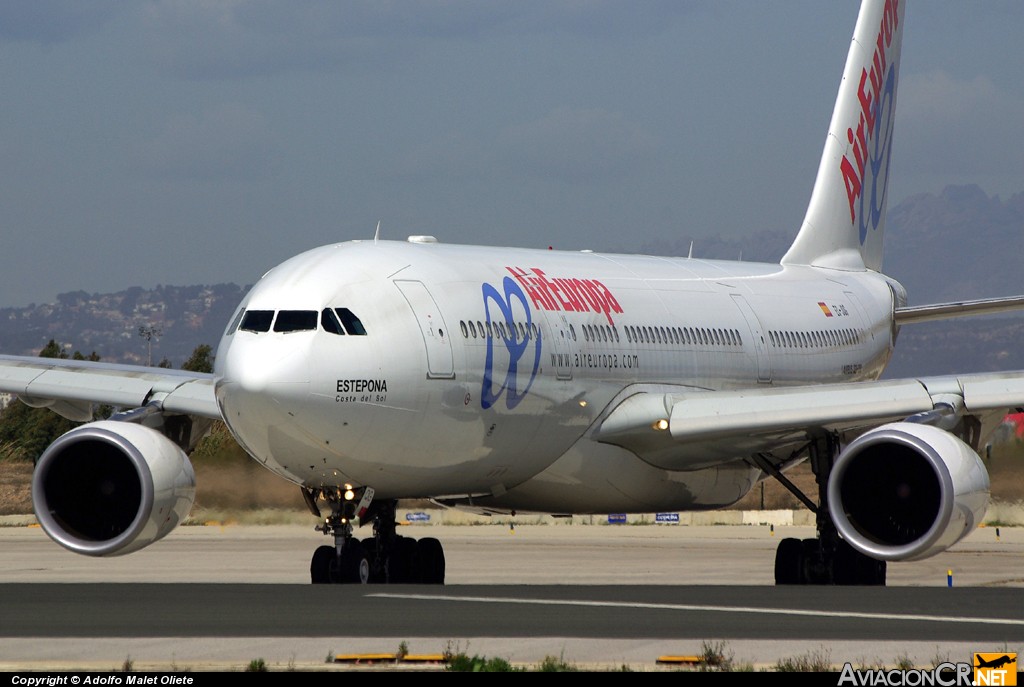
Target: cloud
206,39
566,145
229,142
52,21
576,144
959,125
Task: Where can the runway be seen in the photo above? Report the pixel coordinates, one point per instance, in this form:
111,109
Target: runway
218,597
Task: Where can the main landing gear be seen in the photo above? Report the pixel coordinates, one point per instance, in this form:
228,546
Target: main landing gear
827,560
384,558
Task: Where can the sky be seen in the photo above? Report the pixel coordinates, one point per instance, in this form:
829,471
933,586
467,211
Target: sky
203,141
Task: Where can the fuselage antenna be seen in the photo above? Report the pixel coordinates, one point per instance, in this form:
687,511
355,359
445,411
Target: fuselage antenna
376,234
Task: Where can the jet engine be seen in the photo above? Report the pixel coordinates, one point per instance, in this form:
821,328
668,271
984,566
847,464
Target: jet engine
109,488
906,491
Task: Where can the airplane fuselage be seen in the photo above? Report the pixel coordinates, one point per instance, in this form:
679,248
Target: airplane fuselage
481,369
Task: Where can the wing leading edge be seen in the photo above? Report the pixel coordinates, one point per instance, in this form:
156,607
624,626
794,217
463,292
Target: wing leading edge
690,429
71,387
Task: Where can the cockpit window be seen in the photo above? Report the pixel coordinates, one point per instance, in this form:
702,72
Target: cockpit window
257,320
353,325
237,320
329,321
295,321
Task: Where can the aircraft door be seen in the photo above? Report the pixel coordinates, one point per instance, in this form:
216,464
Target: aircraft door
562,335
440,362
764,362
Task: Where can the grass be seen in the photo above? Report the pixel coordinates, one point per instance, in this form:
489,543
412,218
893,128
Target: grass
257,665
818,661
462,663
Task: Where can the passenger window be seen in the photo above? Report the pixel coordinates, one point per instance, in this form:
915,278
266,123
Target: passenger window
353,325
465,329
472,328
257,320
329,321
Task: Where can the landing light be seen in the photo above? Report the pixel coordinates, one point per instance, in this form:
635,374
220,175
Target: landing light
583,404
349,494
660,425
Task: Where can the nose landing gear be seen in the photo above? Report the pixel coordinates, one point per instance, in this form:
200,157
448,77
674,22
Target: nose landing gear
384,558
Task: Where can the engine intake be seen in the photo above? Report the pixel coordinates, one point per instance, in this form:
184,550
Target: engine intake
907,491
110,488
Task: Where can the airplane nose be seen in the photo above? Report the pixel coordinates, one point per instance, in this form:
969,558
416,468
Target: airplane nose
265,370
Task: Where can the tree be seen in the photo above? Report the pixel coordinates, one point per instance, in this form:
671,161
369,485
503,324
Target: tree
31,430
201,359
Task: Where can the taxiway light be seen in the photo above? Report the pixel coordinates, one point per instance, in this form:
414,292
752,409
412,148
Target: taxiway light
660,425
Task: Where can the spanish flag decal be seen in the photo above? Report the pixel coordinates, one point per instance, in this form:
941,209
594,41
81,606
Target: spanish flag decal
824,309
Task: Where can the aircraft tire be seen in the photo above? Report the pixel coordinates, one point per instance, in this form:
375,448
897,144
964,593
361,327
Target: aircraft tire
353,568
400,565
789,562
320,565
378,574
430,561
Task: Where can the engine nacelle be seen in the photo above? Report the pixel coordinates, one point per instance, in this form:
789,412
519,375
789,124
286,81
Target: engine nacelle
110,488
907,491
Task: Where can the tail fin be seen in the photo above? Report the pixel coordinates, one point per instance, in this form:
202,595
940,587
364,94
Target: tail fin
846,216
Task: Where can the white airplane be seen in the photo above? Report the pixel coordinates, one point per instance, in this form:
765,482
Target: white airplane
507,379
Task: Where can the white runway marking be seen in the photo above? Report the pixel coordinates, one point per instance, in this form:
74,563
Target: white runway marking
712,609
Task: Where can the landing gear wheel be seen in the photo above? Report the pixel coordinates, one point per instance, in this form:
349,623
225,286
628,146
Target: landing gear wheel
320,566
378,574
854,568
430,561
352,567
789,562
401,563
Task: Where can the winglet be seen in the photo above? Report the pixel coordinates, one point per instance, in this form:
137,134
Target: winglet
846,215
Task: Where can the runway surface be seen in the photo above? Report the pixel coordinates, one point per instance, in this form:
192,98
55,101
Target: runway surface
598,596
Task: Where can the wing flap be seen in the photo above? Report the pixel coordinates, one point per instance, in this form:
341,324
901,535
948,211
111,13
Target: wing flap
693,429
77,383
73,384
764,411
994,391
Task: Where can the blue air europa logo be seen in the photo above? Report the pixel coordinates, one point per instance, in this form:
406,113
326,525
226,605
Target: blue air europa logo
501,308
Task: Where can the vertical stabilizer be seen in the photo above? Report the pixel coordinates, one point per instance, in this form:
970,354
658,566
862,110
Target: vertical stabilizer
846,216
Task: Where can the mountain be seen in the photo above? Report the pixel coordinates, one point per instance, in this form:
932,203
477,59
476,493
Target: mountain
108,324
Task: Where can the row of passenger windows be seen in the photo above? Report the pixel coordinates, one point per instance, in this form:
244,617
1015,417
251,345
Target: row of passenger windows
685,336
513,331
339,321
826,338
609,334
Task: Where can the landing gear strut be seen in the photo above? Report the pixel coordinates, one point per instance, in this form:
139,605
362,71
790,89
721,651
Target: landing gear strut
827,559
384,558
345,562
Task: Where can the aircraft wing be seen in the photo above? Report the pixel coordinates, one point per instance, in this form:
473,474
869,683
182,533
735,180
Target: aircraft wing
946,311
71,387
694,428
